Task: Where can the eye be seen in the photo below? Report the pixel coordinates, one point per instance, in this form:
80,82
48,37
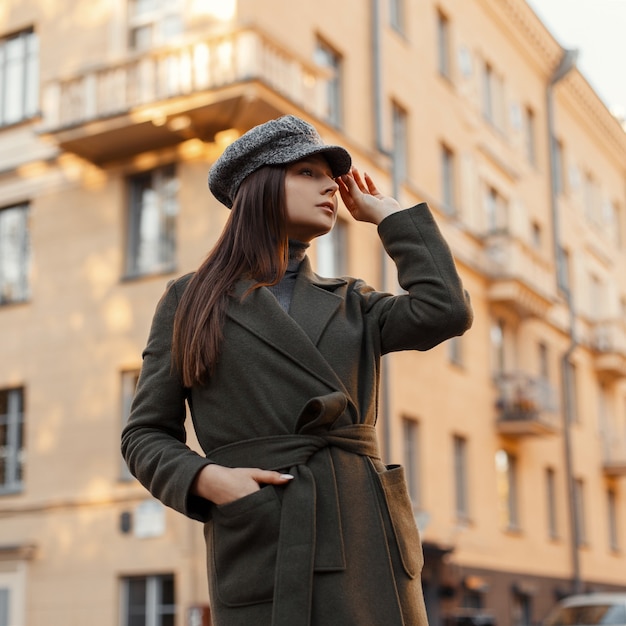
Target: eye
306,171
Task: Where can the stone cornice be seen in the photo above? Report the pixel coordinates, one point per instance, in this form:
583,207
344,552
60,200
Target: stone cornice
526,28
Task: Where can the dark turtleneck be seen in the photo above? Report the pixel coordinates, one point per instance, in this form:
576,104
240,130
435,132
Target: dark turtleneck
284,289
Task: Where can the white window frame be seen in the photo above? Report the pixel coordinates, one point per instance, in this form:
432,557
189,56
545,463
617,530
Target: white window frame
15,255
332,251
128,382
327,57
411,435
400,147
13,586
152,215
19,77
551,508
444,56
154,19
14,446
448,179
461,480
154,607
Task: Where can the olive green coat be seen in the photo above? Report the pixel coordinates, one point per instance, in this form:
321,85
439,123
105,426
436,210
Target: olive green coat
337,546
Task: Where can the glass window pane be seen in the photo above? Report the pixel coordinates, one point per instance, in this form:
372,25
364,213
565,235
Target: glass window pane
14,254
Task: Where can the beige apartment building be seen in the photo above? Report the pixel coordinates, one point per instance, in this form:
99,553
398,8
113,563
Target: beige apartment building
513,436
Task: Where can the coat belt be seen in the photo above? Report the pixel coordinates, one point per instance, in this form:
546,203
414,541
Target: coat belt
307,539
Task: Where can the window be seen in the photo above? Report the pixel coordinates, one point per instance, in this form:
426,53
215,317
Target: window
11,440
326,57
506,471
596,298
563,269
551,492
571,391
559,177
497,335
496,209
332,251
579,508
443,45
14,254
493,97
396,15
455,350
536,236
12,591
129,384
448,190
148,601
591,193
530,132
615,222
521,609
460,478
153,22
611,500
19,77
152,222
544,361
411,432
400,142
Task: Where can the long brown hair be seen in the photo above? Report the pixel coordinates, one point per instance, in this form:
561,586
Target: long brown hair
252,245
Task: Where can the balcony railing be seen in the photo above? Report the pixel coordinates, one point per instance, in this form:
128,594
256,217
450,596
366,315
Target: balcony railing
187,79
518,277
608,340
526,405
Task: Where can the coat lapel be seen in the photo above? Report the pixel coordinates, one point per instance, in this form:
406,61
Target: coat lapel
295,335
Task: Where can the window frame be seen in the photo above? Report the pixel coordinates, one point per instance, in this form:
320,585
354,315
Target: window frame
154,609
448,180
400,142
461,482
27,68
166,248
22,282
328,57
411,434
332,251
444,56
15,422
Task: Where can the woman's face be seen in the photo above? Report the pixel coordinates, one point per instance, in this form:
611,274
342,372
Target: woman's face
311,197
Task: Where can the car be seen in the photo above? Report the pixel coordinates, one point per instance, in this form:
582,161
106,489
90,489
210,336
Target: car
593,609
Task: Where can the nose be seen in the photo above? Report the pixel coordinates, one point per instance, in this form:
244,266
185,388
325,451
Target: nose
331,187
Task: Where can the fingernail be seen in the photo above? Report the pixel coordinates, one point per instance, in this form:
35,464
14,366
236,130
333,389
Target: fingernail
286,476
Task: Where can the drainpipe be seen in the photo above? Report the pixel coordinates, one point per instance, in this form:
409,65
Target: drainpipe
567,63
377,94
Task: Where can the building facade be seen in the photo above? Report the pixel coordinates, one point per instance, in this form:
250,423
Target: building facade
513,436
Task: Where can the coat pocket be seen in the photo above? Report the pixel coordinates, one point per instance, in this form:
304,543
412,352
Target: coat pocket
402,519
244,546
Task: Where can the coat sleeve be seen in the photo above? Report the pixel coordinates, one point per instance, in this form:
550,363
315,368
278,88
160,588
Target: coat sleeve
436,306
153,440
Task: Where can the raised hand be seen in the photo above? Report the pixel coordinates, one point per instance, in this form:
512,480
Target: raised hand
362,198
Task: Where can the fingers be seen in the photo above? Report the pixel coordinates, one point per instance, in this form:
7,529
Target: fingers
268,477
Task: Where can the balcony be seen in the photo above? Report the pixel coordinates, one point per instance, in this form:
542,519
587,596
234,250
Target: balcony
526,406
608,342
614,455
165,96
518,278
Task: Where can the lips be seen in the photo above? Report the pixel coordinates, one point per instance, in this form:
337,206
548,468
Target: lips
328,206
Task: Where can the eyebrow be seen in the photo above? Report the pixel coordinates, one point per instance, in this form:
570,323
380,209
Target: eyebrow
321,163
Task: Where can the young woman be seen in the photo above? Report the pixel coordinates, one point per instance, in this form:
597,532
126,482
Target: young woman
279,367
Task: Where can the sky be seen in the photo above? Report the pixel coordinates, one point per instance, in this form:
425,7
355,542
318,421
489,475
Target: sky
597,28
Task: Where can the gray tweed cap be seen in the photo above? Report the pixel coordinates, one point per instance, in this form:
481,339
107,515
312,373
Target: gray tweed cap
278,142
